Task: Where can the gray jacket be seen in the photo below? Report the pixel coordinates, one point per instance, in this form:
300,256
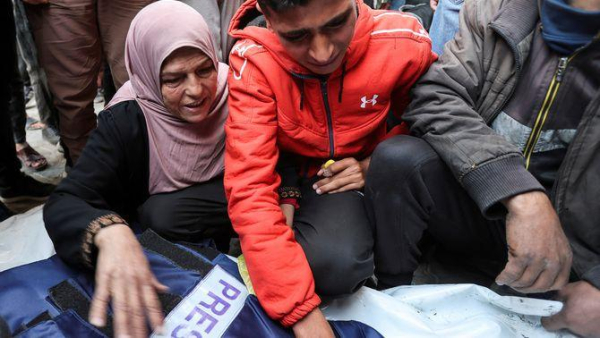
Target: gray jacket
462,93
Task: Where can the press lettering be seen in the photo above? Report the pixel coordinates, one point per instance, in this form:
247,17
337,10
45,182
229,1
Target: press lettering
203,317
230,292
218,306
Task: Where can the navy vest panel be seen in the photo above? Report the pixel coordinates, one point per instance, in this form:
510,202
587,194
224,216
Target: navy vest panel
206,298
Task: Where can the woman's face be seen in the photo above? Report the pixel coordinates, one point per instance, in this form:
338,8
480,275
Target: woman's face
188,82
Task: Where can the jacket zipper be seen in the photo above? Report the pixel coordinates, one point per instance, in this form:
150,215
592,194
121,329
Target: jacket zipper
329,119
542,116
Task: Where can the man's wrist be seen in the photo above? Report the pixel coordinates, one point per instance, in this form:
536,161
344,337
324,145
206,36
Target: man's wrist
526,202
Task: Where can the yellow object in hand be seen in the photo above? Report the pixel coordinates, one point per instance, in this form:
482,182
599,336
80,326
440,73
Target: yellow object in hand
243,269
327,164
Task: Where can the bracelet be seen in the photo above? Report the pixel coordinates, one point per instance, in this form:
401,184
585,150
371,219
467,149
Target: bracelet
289,192
88,249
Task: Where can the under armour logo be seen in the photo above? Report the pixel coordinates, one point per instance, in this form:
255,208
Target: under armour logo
372,101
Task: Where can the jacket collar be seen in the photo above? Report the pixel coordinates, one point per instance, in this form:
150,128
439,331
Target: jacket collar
516,20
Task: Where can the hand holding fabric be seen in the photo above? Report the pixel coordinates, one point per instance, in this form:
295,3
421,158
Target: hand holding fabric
580,313
123,277
539,255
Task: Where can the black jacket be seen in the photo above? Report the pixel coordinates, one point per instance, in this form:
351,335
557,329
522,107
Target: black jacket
111,177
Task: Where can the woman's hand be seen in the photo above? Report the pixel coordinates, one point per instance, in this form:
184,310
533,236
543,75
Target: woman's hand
123,277
314,325
344,175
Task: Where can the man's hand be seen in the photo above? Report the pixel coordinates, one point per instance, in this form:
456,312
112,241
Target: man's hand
539,255
36,2
314,325
581,310
434,4
344,175
123,277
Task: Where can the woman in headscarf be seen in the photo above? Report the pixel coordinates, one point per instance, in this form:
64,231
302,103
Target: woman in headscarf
156,160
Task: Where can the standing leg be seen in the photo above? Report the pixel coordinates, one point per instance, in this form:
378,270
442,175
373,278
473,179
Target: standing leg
409,191
17,105
191,214
114,18
69,48
14,186
337,239
9,164
28,156
37,76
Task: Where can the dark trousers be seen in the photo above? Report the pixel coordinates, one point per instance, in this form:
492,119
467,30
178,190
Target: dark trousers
37,76
17,113
337,239
192,214
72,36
410,193
9,163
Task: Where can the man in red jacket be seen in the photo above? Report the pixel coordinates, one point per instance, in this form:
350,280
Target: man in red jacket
319,83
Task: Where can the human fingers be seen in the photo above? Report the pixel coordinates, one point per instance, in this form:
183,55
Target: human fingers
120,306
158,285
543,283
153,308
136,315
339,182
513,270
556,322
100,299
532,273
349,187
562,279
350,170
341,165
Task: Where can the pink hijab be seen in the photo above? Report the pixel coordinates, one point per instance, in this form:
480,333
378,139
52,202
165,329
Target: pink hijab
181,153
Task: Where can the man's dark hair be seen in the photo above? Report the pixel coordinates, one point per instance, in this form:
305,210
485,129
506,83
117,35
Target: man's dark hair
278,6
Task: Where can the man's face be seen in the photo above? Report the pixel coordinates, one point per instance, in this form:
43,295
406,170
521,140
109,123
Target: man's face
316,35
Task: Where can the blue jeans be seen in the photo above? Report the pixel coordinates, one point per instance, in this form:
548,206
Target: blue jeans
445,23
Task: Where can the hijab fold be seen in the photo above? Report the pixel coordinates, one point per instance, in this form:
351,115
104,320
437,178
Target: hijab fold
181,153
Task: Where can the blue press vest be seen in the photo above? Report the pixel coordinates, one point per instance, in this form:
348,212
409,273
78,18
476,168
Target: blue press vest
206,298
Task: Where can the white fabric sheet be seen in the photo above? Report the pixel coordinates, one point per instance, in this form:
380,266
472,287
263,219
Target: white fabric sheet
23,240
459,310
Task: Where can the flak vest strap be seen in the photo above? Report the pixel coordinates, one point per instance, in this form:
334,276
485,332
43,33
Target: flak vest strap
205,251
177,255
69,297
